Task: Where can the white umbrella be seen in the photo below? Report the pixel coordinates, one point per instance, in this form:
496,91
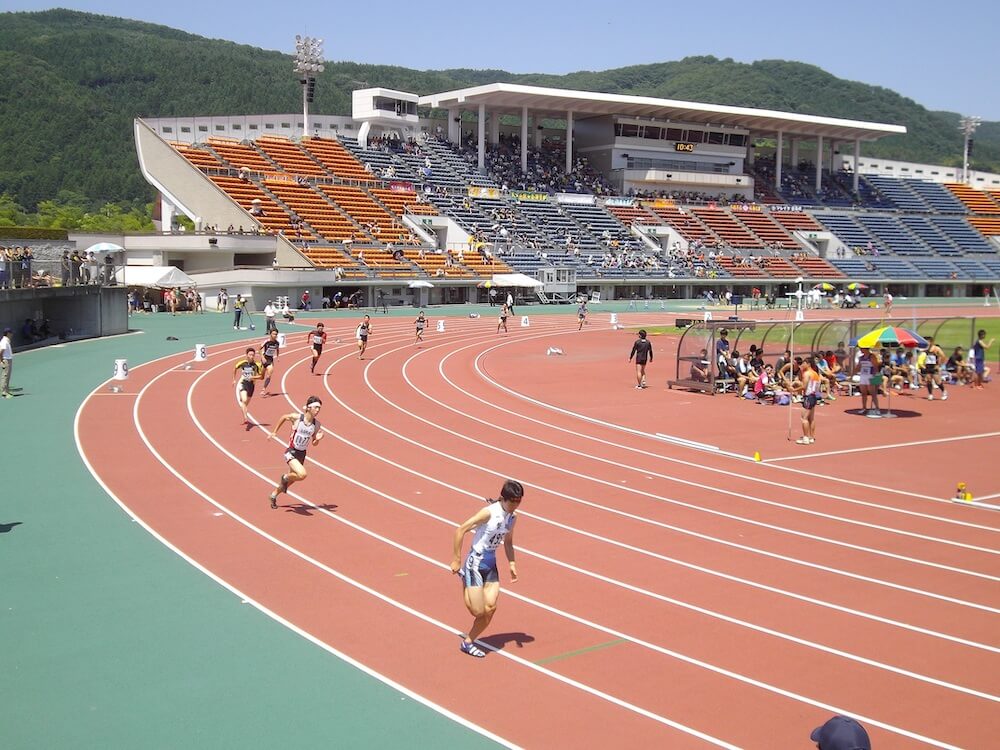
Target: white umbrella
104,247
420,284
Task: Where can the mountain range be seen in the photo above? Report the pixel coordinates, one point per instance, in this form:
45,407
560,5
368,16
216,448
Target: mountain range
71,84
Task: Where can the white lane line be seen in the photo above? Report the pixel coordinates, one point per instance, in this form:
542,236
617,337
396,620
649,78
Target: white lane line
882,447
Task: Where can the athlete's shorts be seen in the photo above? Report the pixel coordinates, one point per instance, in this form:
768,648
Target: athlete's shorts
245,385
480,570
363,337
267,361
298,455
980,366
639,361
318,349
930,370
809,401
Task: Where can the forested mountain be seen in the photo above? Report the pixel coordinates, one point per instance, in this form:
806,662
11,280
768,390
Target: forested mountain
71,83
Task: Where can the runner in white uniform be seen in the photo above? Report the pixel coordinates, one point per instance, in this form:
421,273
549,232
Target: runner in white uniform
868,366
306,431
494,525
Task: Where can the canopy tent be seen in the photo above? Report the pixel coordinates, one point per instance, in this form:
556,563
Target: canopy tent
515,279
153,276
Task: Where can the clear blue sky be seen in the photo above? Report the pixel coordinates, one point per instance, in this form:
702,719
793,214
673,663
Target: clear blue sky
937,54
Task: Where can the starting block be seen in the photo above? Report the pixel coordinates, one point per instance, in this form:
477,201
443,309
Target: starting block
524,321
440,326
554,350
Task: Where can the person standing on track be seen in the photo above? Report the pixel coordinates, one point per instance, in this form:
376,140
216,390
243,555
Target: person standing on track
364,330
316,337
502,320
306,431
868,367
238,311
421,324
247,371
269,353
269,313
979,357
493,526
932,369
581,314
642,350
811,382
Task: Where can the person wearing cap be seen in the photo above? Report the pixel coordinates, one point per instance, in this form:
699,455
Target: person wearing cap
841,733
306,431
6,362
642,350
269,317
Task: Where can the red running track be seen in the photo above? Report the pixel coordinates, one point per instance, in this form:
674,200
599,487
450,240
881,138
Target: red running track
669,596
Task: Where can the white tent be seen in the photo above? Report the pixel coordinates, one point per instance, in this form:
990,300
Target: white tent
515,279
153,276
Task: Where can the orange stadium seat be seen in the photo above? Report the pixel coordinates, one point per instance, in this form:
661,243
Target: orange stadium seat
337,159
290,156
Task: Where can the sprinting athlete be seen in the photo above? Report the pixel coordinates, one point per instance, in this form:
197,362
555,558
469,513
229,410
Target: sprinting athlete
421,323
245,373
581,314
642,350
306,431
502,322
269,353
932,369
494,525
316,337
364,329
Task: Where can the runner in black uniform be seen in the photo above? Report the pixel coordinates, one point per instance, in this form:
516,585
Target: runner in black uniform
269,353
421,324
306,431
364,329
502,322
642,350
933,361
247,370
317,337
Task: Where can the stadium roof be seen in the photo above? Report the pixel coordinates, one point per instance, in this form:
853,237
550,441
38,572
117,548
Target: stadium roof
509,98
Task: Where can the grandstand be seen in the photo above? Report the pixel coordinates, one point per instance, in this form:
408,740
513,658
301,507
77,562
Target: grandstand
664,190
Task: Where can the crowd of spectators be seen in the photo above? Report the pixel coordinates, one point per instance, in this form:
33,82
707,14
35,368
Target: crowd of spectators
546,168
16,271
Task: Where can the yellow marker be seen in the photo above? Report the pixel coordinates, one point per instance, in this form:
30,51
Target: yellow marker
756,455
960,493
968,497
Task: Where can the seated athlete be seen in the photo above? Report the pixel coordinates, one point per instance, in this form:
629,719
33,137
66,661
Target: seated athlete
245,373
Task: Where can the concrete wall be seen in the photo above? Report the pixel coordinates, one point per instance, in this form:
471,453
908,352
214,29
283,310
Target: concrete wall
72,312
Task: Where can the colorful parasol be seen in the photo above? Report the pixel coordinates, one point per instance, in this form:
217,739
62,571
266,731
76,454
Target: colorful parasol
488,284
856,285
825,286
890,336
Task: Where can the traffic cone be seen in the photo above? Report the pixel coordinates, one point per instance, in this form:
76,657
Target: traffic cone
756,456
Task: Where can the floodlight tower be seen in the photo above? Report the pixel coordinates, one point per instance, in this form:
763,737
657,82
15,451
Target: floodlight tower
968,126
308,62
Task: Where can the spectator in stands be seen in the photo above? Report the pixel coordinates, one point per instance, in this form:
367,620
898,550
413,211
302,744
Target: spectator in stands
93,270
65,268
109,270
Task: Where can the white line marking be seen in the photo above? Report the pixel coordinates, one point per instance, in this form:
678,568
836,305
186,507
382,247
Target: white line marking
882,447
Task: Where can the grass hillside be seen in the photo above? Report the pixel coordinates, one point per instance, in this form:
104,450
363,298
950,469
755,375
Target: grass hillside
71,83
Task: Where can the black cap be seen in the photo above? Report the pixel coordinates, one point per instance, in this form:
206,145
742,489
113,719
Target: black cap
841,733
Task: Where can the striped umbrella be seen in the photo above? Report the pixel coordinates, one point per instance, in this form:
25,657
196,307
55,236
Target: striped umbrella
890,336
825,286
856,285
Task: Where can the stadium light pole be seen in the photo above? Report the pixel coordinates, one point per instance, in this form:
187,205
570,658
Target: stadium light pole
968,127
308,62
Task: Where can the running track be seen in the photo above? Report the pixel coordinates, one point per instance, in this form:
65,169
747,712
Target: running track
669,597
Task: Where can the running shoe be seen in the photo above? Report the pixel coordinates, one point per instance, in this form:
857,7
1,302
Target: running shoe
803,441
472,650
944,396
274,501
930,396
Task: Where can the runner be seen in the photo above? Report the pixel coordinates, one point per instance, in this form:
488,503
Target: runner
642,350
247,370
421,323
316,337
887,298
306,431
811,381
364,330
502,321
494,525
581,314
932,370
269,353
